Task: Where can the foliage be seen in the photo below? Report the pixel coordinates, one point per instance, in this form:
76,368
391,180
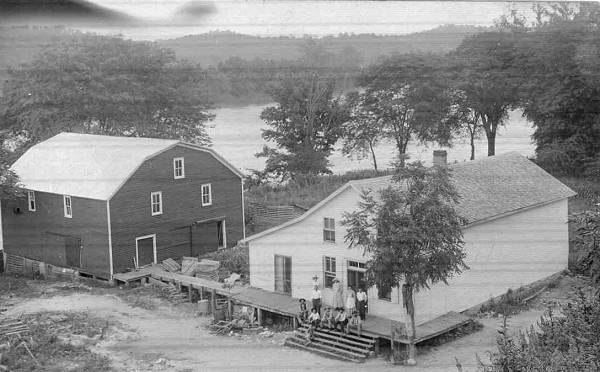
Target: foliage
362,132
9,181
305,125
106,85
234,260
406,96
411,231
587,239
479,70
566,342
305,190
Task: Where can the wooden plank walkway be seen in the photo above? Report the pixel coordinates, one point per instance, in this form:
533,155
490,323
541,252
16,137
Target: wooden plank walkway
267,300
190,281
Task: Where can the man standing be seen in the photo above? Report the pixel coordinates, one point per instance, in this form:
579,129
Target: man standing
361,297
316,299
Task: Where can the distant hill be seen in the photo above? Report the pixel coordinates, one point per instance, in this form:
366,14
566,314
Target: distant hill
214,47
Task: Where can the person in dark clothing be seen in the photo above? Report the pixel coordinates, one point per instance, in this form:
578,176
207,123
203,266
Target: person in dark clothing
342,320
361,298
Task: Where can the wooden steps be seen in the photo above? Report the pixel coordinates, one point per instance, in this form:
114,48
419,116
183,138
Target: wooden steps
333,344
13,328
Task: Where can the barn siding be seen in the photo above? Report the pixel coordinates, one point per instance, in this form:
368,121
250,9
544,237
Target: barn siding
130,206
27,234
503,253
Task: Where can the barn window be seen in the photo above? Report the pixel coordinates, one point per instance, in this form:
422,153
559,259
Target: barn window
31,200
67,206
329,271
156,203
178,168
206,194
329,229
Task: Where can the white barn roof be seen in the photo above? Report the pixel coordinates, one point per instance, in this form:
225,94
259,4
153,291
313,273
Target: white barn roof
90,166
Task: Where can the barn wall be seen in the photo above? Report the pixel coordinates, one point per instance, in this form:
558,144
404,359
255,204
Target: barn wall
36,235
131,214
504,253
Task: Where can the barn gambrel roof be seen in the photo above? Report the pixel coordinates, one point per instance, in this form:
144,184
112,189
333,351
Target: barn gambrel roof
489,188
92,166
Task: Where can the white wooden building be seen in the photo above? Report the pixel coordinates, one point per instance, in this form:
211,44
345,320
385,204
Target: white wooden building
517,233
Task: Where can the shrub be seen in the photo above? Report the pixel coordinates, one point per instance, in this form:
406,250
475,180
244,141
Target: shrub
569,342
233,260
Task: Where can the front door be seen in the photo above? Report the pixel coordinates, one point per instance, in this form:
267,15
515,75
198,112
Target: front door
145,250
356,275
283,274
73,251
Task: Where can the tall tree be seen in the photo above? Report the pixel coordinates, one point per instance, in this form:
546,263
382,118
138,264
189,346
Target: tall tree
411,232
407,96
106,85
9,182
481,66
305,125
362,132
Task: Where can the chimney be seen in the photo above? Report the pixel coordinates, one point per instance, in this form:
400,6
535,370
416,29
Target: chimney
440,157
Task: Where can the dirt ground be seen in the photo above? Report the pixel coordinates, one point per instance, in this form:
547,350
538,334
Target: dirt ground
150,334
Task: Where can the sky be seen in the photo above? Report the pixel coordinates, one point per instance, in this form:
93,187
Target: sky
163,19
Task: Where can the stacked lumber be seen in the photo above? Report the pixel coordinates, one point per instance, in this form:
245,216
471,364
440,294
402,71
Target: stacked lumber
12,327
207,269
332,344
171,265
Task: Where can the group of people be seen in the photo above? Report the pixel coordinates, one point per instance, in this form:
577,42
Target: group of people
342,314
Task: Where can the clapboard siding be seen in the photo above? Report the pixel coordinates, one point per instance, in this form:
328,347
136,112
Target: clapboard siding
130,207
502,253
30,234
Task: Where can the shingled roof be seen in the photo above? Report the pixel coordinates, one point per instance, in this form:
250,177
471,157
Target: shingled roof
489,187
91,166
493,186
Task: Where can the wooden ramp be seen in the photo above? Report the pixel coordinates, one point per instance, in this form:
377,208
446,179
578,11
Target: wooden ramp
270,301
333,344
438,326
131,276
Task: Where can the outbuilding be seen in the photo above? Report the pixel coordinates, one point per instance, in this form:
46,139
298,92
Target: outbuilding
102,205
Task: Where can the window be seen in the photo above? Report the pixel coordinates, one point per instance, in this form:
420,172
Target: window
178,168
67,206
329,271
221,234
358,265
329,229
31,200
156,203
206,195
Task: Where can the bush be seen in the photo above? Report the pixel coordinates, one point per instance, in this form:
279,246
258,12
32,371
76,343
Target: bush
233,260
569,342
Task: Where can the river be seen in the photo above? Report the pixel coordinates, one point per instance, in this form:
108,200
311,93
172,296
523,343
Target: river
236,134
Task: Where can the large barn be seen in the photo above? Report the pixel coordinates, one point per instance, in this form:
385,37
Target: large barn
517,233
102,205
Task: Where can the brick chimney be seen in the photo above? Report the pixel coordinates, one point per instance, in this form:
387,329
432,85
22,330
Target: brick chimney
440,157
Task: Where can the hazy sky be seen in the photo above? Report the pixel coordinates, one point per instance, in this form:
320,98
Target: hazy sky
275,17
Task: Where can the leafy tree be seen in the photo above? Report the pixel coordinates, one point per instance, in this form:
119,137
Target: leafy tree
362,132
9,182
482,65
412,233
106,85
305,125
406,94
569,342
587,240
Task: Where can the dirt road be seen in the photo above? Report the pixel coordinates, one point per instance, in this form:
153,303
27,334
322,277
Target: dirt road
170,338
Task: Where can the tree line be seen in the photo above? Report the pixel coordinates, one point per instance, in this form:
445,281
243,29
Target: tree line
545,67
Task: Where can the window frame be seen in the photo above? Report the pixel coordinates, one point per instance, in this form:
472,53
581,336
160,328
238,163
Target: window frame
182,175
223,234
31,198
68,207
209,202
329,263
328,230
159,203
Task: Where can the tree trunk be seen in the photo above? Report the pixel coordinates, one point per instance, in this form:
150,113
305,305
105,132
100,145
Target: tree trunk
373,156
407,296
491,137
473,145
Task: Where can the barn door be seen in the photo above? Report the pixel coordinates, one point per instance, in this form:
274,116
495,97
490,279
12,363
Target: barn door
73,251
145,250
205,238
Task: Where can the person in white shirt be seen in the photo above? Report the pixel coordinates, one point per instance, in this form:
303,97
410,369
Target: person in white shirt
361,298
316,299
341,319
